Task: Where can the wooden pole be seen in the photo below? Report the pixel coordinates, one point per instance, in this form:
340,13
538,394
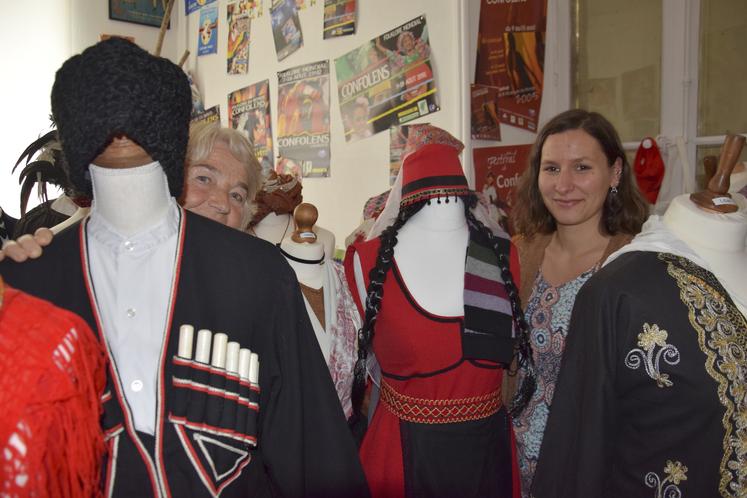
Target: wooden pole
184,58
164,26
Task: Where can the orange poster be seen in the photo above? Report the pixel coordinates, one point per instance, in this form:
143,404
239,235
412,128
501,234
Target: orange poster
511,57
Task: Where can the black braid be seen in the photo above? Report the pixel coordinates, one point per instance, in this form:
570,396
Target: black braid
522,348
374,295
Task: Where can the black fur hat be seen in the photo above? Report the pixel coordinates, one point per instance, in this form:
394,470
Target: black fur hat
117,88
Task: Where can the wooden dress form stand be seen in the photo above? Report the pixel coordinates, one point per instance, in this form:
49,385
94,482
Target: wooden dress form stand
306,255
713,223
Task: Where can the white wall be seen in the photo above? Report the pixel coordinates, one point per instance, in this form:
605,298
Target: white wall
37,39
90,18
32,52
359,170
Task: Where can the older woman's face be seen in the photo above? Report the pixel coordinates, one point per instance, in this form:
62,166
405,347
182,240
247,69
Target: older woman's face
217,188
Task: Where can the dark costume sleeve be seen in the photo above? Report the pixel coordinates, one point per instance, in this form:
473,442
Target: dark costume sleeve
576,448
305,440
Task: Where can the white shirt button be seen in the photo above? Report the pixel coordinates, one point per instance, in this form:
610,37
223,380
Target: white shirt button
137,385
129,245
131,312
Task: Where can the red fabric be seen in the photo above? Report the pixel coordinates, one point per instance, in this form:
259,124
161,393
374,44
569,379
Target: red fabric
51,378
404,351
649,170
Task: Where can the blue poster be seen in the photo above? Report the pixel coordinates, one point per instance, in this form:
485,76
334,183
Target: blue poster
207,42
193,5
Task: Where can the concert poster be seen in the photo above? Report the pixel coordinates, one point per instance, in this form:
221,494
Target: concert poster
387,81
249,112
497,172
303,118
511,57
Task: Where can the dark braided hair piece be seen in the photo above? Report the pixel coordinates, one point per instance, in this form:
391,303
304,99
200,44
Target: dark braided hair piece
522,347
374,294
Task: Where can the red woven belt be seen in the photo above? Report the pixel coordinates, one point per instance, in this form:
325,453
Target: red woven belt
439,411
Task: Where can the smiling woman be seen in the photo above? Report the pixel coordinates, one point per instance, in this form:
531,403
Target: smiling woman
222,177
575,204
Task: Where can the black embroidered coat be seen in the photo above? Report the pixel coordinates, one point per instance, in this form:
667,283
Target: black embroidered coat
216,436
650,401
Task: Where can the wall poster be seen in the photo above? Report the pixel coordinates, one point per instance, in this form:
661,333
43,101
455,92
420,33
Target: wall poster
511,57
339,18
249,112
148,12
286,28
207,42
387,81
193,5
397,142
239,28
485,123
303,118
497,172
211,115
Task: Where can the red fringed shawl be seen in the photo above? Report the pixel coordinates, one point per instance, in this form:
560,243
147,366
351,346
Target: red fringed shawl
52,373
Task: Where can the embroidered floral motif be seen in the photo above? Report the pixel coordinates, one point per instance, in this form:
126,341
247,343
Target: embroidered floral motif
722,338
648,340
668,487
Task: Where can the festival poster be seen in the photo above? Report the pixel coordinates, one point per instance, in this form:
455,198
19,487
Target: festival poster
387,81
286,28
511,57
303,118
497,172
249,112
397,142
339,18
210,115
239,27
208,39
254,7
485,122
193,5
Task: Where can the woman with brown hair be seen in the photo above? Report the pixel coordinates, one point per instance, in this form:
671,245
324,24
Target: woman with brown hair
576,203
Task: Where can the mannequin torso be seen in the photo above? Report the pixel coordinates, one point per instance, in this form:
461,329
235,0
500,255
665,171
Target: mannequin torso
738,178
310,275
717,238
275,228
430,253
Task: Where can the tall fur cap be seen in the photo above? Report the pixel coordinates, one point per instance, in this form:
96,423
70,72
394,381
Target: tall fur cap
117,88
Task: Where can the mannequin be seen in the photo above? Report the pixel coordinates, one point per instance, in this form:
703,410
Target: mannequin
275,228
273,222
649,392
718,239
435,237
738,178
327,298
139,267
429,267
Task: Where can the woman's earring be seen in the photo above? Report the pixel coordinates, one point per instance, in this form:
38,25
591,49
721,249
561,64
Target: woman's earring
613,189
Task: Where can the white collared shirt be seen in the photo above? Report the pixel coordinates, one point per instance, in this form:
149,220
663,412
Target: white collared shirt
132,279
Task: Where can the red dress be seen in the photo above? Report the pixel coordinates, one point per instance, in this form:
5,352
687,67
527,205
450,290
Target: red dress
438,429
